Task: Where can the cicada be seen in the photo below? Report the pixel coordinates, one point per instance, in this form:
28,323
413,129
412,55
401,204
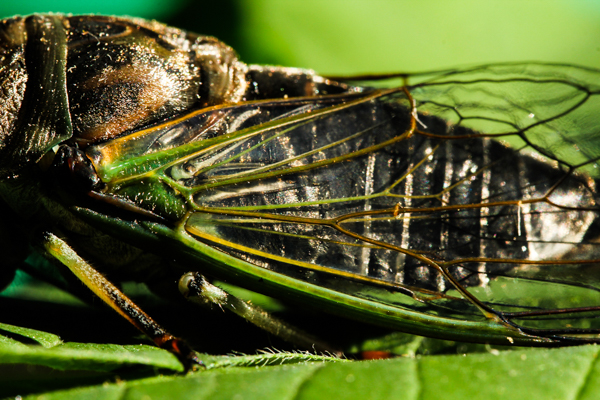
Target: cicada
458,204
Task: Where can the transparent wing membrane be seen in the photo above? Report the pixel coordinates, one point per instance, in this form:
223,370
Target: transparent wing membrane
467,194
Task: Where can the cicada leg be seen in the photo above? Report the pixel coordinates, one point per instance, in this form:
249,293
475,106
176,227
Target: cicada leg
116,299
197,289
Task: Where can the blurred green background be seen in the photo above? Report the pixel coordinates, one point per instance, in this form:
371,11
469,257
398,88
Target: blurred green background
352,36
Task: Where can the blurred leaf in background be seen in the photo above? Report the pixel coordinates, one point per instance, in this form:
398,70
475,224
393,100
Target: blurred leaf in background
352,36
385,35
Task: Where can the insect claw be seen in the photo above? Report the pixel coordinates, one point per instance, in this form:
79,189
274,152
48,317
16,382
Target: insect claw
186,355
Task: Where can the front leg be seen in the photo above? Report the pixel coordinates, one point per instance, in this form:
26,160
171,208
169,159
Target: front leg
111,295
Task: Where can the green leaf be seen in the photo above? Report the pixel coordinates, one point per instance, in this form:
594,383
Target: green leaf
44,339
50,351
90,356
533,373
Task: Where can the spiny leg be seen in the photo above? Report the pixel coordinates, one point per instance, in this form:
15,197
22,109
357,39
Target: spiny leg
116,299
197,289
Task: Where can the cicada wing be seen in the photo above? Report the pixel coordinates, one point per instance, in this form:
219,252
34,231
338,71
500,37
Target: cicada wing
548,107
547,112
398,198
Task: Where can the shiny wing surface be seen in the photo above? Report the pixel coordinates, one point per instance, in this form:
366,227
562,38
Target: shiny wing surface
468,194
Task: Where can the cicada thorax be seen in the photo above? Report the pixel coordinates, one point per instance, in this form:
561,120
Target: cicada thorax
123,74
